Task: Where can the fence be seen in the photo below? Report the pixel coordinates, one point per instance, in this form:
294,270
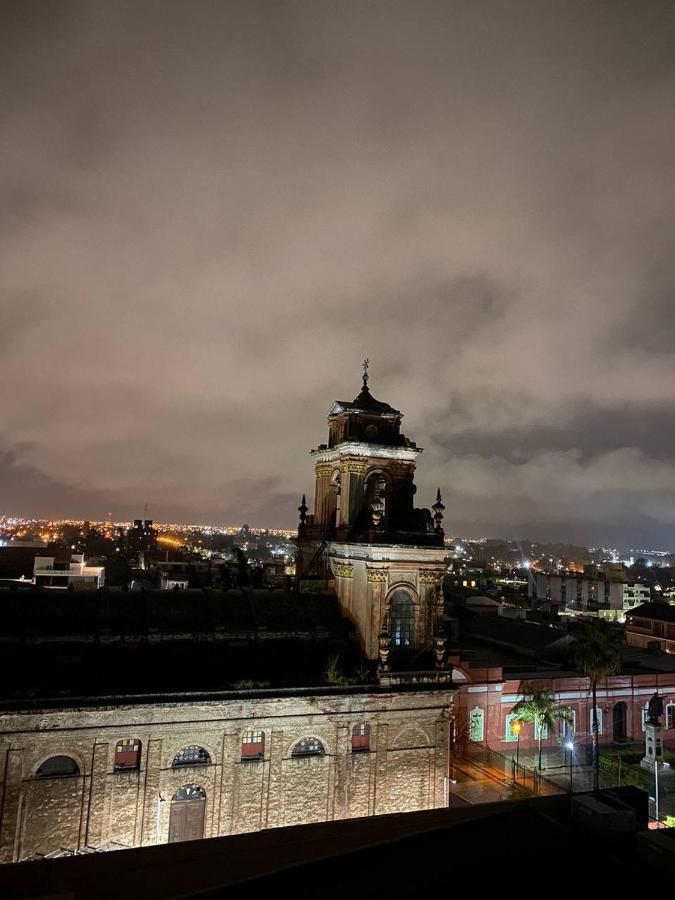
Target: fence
508,771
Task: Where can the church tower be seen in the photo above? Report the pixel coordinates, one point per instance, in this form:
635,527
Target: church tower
385,556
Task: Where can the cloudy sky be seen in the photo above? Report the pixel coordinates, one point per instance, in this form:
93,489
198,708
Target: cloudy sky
210,212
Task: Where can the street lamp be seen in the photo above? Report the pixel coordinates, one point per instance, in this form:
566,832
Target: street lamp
570,747
516,728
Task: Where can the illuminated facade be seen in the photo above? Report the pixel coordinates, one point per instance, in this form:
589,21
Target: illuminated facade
136,774
385,557
487,696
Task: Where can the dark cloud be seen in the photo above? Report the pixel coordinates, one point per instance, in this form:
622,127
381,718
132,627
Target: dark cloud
212,211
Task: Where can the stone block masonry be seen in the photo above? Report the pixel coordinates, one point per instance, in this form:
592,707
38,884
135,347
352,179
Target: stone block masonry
223,792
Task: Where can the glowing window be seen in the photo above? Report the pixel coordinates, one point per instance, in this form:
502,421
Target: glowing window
401,619
509,733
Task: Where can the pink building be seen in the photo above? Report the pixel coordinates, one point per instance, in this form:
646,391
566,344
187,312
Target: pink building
486,700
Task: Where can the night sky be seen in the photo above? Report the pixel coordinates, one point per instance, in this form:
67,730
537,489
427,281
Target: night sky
210,212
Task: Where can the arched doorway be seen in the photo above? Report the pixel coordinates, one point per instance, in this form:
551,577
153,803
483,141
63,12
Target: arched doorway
619,721
186,822
401,619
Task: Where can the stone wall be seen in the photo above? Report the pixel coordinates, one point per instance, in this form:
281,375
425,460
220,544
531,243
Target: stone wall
403,770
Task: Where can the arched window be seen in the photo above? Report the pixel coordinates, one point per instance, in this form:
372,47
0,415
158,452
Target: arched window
401,619
189,792
376,490
308,747
127,754
253,745
58,767
360,738
191,756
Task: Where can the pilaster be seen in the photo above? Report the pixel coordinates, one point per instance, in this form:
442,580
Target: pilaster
10,822
274,814
153,772
98,813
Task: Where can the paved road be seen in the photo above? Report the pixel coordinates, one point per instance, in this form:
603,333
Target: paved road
471,783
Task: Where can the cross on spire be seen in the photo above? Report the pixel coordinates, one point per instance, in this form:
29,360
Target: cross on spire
366,363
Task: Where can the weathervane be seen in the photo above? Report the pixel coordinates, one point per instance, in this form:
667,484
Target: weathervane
366,363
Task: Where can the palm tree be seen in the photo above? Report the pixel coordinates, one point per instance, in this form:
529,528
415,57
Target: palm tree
539,707
597,654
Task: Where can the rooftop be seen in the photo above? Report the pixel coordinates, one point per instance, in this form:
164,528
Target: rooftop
366,403
663,612
60,645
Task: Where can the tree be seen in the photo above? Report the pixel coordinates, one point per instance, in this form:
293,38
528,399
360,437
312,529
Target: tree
597,653
243,575
539,707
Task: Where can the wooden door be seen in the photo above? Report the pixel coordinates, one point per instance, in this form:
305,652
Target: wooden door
186,822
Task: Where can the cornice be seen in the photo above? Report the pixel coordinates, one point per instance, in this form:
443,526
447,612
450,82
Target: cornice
365,451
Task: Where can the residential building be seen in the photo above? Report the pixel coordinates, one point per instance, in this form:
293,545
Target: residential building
652,626
75,574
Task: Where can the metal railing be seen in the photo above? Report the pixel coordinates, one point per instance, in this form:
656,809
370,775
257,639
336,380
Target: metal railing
508,771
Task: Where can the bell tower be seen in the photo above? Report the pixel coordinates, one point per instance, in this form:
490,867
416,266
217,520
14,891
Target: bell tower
385,556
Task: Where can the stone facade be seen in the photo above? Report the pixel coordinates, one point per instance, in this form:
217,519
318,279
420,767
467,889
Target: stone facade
403,768
384,557
374,573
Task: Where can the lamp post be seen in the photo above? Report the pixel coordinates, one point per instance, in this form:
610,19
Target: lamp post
516,728
570,747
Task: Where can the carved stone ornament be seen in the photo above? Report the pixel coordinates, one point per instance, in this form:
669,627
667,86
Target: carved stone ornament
439,602
397,576
376,575
343,570
430,576
439,652
377,507
323,470
383,649
354,466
